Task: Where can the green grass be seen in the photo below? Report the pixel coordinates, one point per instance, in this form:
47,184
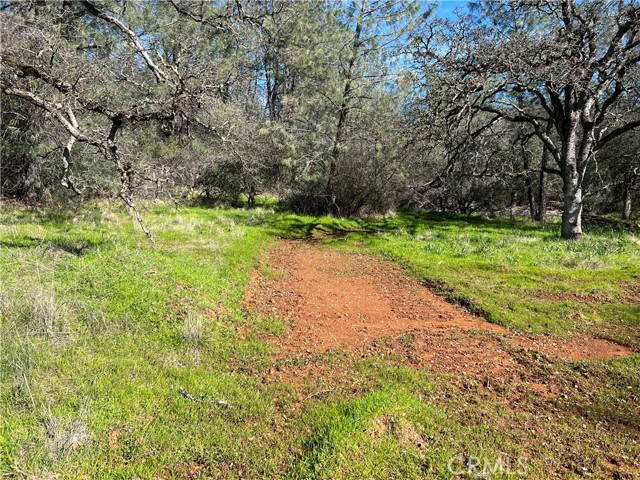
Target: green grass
126,341
103,334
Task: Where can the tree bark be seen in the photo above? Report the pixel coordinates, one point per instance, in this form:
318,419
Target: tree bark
527,180
572,212
571,166
530,198
626,208
541,213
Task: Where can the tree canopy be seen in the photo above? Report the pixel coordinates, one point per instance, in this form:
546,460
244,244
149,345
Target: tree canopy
348,108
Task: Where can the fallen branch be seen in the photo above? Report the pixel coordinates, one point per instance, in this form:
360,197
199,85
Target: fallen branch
202,398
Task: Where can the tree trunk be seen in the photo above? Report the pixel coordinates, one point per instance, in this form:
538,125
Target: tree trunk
626,209
251,197
572,212
571,168
31,185
344,111
541,213
528,183
530,198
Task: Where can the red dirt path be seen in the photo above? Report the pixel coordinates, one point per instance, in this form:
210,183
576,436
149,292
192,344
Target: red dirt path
335,300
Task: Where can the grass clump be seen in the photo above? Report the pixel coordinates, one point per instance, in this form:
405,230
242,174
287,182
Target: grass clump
193,331
45,314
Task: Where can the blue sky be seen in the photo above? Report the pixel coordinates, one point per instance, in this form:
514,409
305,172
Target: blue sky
446,7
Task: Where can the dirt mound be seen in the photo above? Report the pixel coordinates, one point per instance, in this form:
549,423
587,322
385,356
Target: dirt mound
337,300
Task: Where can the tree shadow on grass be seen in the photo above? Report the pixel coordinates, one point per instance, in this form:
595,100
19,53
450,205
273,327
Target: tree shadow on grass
303,227
78,248
410,222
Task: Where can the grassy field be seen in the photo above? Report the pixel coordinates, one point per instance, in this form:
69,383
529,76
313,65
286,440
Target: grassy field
125,360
